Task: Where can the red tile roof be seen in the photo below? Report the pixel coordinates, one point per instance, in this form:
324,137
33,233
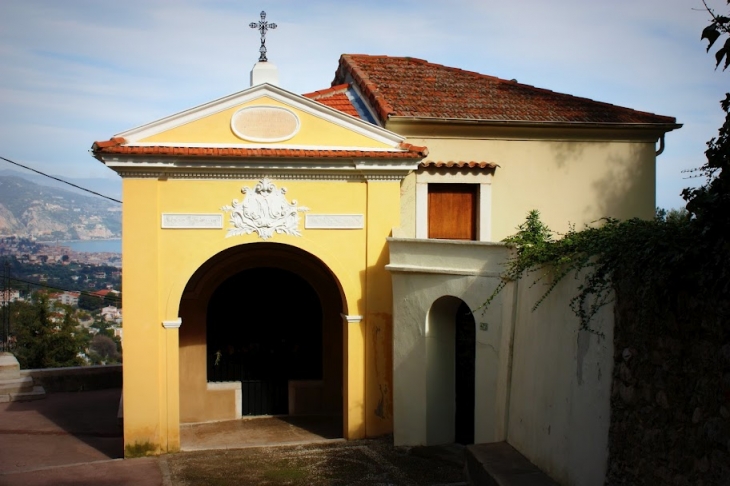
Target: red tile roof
115,146
408,87
459,165
335,97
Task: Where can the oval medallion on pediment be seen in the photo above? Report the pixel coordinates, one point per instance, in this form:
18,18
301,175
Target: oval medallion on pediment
264,124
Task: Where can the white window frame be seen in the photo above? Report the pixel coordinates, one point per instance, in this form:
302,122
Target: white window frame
484,203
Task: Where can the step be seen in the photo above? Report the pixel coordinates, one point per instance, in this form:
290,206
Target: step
38,393
500,464
16,385
9,367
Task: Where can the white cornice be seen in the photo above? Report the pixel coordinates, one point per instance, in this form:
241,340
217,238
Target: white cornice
174,324
260,91
222,168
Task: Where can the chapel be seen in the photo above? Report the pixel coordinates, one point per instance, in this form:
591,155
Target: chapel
320,253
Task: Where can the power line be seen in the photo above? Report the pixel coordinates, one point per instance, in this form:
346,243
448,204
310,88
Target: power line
61,180
82,292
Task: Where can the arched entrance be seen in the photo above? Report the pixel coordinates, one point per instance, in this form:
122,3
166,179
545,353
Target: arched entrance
450,371
267,316
271,344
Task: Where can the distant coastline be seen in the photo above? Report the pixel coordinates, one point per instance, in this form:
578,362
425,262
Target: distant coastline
113,245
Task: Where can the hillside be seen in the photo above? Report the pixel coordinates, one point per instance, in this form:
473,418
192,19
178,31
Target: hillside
109,186
49,213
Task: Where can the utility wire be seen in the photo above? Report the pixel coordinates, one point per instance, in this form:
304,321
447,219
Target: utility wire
61,180
84,292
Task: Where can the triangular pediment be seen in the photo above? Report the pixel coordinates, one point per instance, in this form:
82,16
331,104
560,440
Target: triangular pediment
263,116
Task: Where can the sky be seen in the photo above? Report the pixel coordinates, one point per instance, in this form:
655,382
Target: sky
76,71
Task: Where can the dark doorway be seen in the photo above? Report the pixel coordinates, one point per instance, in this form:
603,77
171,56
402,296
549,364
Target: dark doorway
264,328
465,356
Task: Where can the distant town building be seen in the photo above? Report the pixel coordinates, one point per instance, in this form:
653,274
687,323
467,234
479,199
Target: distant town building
69,298
111,314
9,295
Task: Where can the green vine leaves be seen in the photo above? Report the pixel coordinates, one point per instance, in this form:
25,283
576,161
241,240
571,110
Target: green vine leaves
601,256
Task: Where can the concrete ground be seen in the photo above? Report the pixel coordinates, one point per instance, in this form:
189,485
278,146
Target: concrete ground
74,439
260,431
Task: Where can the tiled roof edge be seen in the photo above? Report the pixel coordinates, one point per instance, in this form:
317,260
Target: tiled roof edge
324,93
368,88
348,65
112,142
408,152
459,164
420,150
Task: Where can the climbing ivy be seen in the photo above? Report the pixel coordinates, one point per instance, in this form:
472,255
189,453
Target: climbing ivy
600,255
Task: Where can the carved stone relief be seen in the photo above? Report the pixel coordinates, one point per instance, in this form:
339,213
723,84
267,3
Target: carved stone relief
264,210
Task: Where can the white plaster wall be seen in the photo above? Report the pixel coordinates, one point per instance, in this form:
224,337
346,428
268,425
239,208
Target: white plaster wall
440,368
559,407
541,384
422,272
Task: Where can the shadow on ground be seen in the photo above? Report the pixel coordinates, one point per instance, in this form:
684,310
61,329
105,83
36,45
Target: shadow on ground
362,462
89,417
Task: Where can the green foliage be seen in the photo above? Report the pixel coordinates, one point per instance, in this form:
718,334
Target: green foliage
103,350
90,302
140,449
600,256
718,28
44,337
114,299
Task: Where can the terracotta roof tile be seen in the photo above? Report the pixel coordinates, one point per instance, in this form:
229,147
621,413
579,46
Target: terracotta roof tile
404,86
109,143
335,97
459,164
408,152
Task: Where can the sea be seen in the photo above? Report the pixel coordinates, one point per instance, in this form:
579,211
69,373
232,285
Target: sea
91,246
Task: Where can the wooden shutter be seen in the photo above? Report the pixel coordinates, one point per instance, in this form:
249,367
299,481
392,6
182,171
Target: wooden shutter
452,211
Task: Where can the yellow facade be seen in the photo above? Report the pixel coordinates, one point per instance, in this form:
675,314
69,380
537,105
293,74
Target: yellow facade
215,129
170,273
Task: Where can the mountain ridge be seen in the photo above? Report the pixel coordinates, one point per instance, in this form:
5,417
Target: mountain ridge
47,213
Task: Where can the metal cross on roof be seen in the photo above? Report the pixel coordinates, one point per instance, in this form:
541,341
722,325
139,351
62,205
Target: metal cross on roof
263,26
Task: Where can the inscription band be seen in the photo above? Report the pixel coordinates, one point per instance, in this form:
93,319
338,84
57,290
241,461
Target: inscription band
192,221
334,221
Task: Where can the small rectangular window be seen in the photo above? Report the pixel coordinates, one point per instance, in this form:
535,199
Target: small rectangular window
452,211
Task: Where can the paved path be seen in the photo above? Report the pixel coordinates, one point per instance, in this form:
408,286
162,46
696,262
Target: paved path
68,439
74,439
260,431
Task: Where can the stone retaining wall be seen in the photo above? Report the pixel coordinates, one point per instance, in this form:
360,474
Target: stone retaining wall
670,402
79,378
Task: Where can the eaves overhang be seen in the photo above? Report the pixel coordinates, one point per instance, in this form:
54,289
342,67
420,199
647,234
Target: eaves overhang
665,127
341,168
411,126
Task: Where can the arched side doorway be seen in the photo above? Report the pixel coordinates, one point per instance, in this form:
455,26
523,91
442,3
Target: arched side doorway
450,372
267,316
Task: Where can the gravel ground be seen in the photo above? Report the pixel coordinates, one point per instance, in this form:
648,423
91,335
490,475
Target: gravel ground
363,462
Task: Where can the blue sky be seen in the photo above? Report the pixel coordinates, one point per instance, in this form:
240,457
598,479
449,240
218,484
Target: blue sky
76,71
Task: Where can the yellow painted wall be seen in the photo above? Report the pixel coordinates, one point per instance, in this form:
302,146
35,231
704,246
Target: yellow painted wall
216,128
145,423
383,199
158,264
569,181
